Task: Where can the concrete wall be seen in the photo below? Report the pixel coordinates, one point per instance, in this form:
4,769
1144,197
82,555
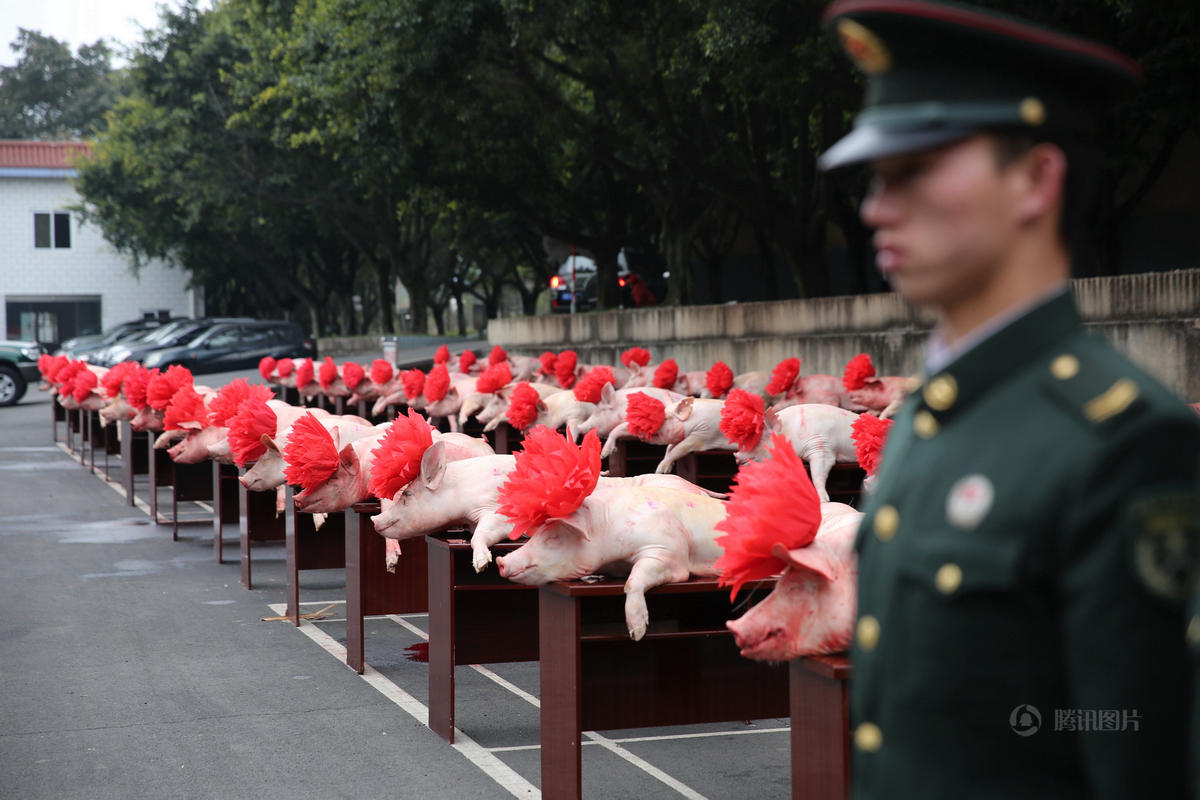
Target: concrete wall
1154,318
89,267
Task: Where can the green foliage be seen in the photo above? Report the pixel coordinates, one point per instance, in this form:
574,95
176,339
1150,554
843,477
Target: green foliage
50,93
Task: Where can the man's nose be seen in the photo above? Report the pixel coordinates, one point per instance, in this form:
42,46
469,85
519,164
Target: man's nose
878,206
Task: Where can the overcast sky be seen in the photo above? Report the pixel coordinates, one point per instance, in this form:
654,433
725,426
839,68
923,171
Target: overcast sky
76,22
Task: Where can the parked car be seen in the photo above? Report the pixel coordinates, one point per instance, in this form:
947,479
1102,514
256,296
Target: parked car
235,345
18,368
179,332
82,347
639,286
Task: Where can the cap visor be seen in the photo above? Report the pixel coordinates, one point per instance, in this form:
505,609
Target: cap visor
868,143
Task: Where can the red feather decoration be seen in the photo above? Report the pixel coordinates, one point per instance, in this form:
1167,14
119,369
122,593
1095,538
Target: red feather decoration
310,453
227,402
265,367
644,415
413,381
869,433
442,355
65,378
52,365
353,374
304,373
135,386
718,379
742,418
548,360
466,361
784,376
437,383
771,502
858,370
551,479
592,384
186,406
398,455
115,378
494,378
284,367
522,406
497,355
246,428
63,368
164,385
564,368
635,355
85,381
381,372
666,374
43,362
327,373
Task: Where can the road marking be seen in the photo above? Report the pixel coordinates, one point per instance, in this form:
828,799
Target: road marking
478,755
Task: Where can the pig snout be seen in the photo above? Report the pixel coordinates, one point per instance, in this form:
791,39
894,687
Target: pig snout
755,635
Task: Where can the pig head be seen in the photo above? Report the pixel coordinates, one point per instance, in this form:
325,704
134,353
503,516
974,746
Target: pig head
811,610
880,395
147,419
196,445
115,410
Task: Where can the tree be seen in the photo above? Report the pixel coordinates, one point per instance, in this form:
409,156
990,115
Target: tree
52,94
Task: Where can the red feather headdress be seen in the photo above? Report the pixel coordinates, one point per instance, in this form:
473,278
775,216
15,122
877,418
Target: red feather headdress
62,369
265,367
442,355
49,365
466,360
284,367
413,381
742,418
635,355
381,372
564,368
327,373
85,381
771,502
310,453
437,383
494,378
551,479
114,379
784,376
136,385
718,379
858,370
644,415
869,433
227,402
65,378
548,360
666,374
398,455
497,355
253,419
304,373
522,406
592,384
186,406
353,374
164,385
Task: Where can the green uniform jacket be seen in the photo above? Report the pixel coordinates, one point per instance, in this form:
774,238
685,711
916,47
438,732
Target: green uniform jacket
1023,579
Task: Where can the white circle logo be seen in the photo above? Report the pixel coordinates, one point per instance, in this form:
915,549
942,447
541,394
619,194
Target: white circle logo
1025,720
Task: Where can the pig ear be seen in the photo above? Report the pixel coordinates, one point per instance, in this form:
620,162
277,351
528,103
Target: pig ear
606,393
683,409
540,405
269,443
433,466
575,524
810,560
336,435
348,458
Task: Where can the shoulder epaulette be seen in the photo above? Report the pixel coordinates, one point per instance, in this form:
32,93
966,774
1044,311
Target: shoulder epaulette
1093,385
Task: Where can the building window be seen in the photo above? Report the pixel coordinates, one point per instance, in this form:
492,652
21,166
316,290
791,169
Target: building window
52,230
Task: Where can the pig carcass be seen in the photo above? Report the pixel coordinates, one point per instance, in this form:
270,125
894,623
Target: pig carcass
613,405
865,392
689,425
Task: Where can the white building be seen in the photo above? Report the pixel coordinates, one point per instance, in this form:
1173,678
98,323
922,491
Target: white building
59,278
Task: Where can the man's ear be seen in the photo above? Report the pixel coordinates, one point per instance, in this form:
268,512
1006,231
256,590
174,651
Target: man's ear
1039,177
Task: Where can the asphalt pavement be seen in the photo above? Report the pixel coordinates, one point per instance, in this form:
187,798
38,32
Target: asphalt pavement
134,666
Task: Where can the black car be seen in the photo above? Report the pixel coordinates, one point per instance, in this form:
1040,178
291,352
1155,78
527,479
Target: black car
83,347
173,334
638,286
235,345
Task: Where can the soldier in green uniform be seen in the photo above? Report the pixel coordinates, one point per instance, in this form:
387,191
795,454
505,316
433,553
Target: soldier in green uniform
1026,558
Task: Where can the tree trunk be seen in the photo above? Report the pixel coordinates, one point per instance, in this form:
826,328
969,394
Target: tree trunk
677,249
418,301
387,299
608,293
462,312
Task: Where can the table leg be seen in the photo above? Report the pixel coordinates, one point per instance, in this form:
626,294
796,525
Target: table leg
441,643
356,557
293,565
820,735
561,661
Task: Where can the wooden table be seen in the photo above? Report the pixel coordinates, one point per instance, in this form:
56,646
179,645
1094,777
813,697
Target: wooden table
712,469
820,707
225,501
161,472
135,458
686,670
57,414
257,522
370,589
309,548
473,619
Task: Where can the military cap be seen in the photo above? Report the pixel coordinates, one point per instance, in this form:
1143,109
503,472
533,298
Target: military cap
938,72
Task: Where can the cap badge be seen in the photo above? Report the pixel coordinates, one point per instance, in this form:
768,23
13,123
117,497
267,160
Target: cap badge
969,501
865,48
